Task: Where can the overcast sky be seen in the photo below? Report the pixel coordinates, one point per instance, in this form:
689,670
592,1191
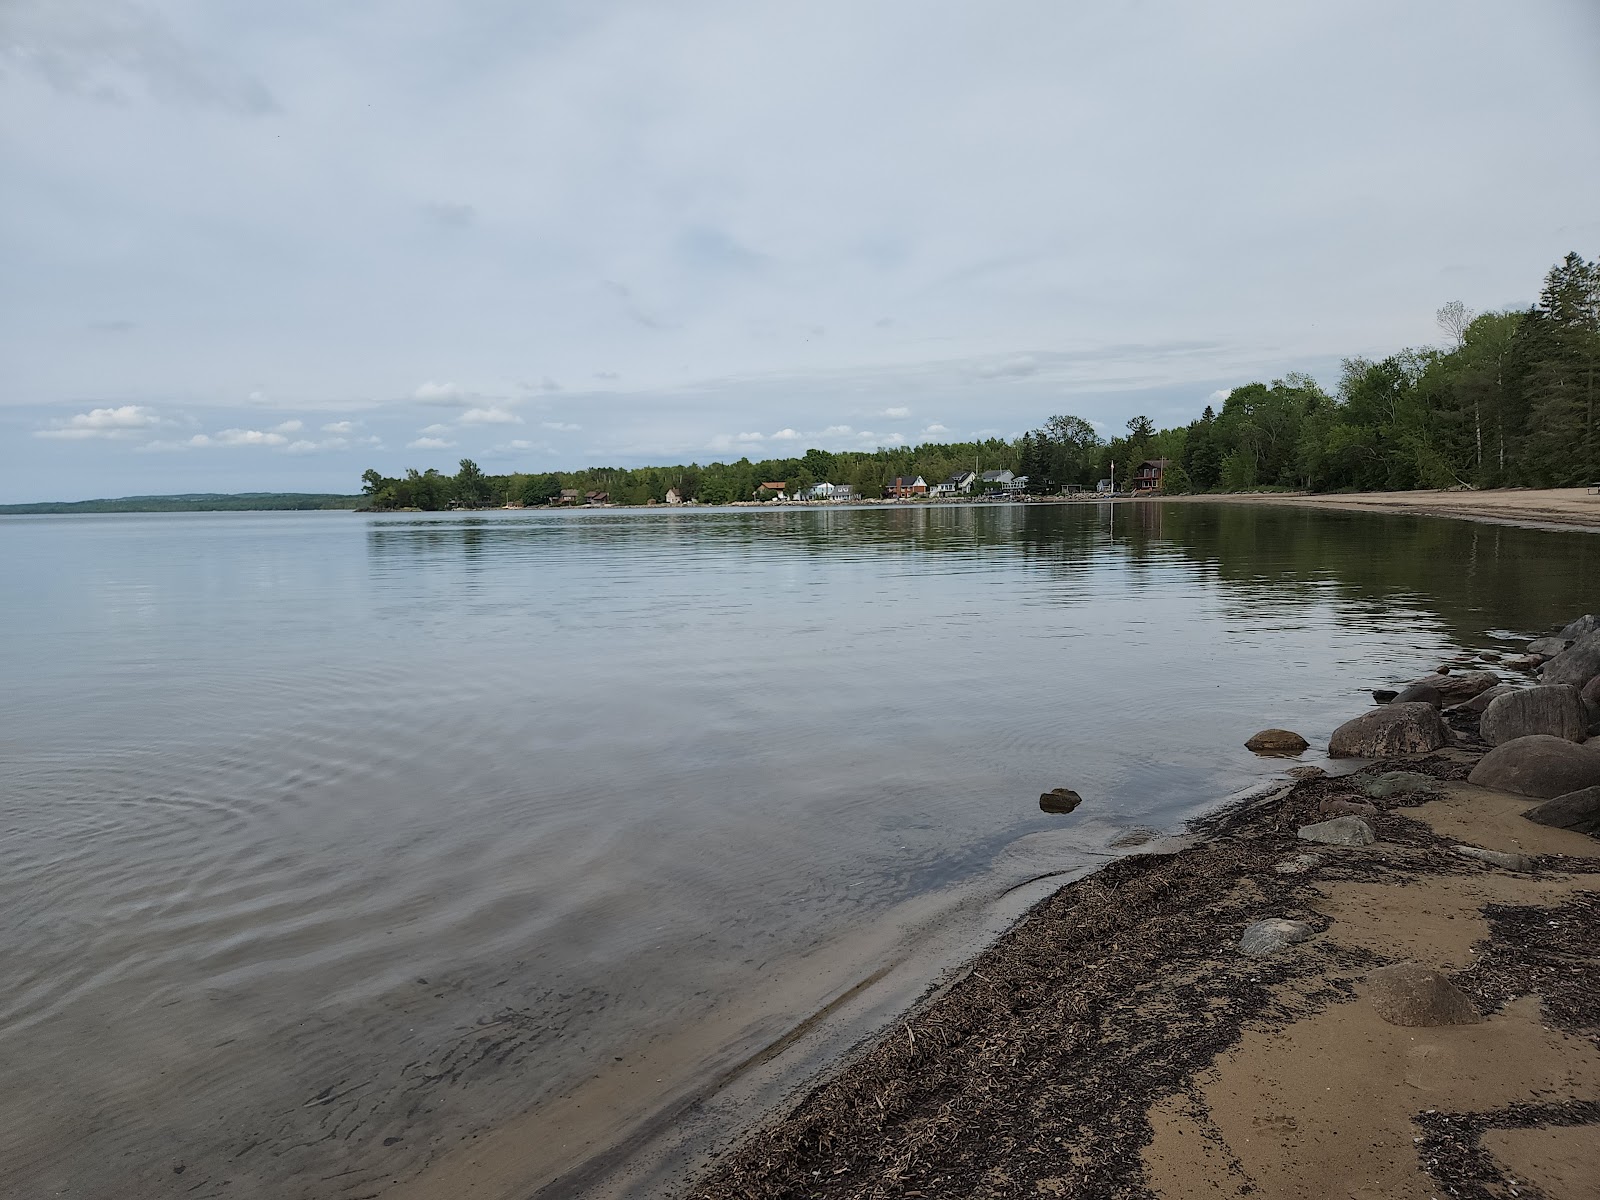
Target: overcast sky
258,246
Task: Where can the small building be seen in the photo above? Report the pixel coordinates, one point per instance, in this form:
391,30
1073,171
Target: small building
772,491
998,481
958,484
597,497
673,497
1147,476
1104,486
568,496
902,486
843,491
818,491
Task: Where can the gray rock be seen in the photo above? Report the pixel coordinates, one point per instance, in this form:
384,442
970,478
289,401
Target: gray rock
1340,831
1461,686
1538,765
1482,700
1307,772
1384,695
1578,811
1553,708
1549,647
1060,800
1390,730
1591,691
1498,858
1397,783
1277,741
1299,864
1338,807
1273,935
1577,664
1524,662
1582,627
1419,693
1412,995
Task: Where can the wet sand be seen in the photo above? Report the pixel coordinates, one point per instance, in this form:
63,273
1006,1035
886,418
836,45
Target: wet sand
1117,1043
1561,508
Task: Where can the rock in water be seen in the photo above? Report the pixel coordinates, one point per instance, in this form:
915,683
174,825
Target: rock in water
1578,811
1272,935
1483,699
1454,689
1277,741
1420,692
1060,800
1390,730
1411,994
1582,627
1341,831
1384,695
1548,647
1498,858
1553,708
1397,783
1577,664
1538,765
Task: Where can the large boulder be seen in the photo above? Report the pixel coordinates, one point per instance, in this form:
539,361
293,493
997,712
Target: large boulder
1539,765
1410,994
1549,647
1272,936
1578,811
1421,692
1459,686
1483,699
1392,729
1277,741
1340,831
1582,627
1577,664
1554,708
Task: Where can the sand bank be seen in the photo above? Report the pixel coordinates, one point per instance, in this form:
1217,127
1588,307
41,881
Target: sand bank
1566,508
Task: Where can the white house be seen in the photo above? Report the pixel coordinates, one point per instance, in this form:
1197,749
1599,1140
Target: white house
1003,481
958,484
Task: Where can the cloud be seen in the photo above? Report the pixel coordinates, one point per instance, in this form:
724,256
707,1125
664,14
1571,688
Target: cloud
1220,394
256,397
1019,366
439,393
560,426
292,426
934,430
242,437
837,431
125,421
435,430
608,376
750,437
489,416
786,435
340,427
429,443
450,216
899,414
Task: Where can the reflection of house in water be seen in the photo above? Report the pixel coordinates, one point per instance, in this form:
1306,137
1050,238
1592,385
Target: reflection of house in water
1147,475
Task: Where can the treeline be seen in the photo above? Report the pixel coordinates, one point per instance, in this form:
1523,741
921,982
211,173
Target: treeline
1512,400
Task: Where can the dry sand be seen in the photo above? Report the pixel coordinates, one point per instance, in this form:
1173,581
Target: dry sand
1566,508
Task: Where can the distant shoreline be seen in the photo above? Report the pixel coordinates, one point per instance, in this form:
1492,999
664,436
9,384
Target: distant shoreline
1569,508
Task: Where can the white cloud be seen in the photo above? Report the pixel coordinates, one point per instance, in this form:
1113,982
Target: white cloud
837,431
751,437
123,422
489,416
436,430
899,414
340,427
1219,395
439,393
560,426
244,437
787,435
934,430
256,397
429,443
289,427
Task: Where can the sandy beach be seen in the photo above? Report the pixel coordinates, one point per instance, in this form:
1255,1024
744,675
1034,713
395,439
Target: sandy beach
1119,1042
1564,508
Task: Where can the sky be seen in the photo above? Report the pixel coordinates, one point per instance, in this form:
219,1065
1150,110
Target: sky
256,247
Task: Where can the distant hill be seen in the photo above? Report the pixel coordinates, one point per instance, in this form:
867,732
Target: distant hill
194,502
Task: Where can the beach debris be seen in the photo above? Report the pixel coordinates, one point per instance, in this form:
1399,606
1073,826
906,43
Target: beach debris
1582,627
1498,858
1578,811
1396,783
1060,800
1298,865
1553,708
1483,699
1339,831
1413,995
1343,806
1538,765
1306,772
1420,692
1577,664
1549,647
1277,742
1273,935
1391,730
1384,695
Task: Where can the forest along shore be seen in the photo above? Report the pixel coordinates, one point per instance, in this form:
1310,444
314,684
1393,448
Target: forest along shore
1387,981
1577,507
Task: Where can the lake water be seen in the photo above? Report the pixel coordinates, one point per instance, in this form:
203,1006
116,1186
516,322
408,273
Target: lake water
332,840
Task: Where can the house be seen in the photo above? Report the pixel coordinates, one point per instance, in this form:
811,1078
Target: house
567,496
772,491
958,484
597,497
902,486
843,491
997,481
818,491
1147,475
673,497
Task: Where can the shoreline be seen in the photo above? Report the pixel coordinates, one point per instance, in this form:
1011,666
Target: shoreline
1116,1041
1542,508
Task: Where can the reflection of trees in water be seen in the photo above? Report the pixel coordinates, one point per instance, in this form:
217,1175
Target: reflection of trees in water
1473,576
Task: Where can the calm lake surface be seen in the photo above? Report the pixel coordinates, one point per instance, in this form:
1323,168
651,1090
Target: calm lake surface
330,839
